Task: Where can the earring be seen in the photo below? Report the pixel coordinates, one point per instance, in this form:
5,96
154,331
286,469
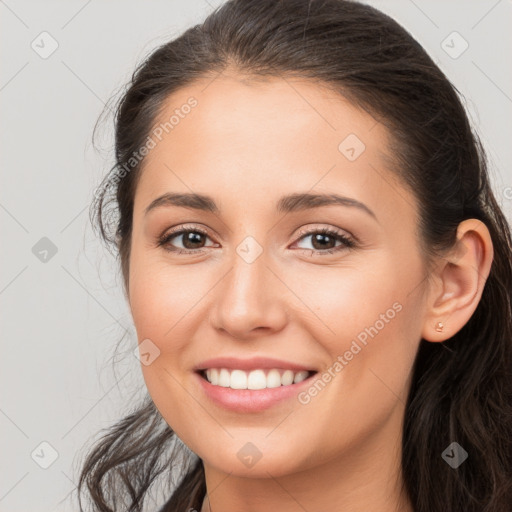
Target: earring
439,327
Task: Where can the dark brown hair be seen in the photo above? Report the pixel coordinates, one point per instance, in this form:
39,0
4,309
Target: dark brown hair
461,389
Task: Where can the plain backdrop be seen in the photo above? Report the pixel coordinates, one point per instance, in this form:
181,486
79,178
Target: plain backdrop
62,307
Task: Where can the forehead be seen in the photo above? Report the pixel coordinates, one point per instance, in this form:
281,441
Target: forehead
260,137
254,111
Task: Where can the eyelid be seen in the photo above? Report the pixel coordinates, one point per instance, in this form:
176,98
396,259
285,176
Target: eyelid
327,229
175,230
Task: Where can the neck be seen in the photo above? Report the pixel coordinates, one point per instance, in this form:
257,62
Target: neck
366,477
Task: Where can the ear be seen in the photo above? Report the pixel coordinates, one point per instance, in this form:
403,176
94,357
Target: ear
457,283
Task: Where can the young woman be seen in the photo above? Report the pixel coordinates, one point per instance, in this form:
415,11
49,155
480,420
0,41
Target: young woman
318,271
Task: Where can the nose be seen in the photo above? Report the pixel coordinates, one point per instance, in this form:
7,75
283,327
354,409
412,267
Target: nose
249,300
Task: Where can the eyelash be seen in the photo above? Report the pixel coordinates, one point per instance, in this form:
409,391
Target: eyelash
347,243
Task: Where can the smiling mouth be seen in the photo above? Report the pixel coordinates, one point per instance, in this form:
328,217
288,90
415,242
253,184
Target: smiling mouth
255,379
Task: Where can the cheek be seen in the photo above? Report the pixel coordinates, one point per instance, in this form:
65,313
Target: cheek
365,318
343,301
364,323
162,296
162,299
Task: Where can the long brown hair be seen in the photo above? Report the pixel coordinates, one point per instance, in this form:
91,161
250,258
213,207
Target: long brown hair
461,389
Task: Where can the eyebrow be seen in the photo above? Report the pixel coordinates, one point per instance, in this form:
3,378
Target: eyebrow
286,204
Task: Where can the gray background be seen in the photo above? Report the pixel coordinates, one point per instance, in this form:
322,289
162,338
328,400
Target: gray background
62,318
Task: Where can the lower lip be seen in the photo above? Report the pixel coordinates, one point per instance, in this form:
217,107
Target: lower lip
251,400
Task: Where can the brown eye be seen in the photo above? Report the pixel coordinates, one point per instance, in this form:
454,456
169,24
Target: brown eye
324,241
191,239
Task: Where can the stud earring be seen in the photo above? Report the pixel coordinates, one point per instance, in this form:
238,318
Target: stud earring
439,327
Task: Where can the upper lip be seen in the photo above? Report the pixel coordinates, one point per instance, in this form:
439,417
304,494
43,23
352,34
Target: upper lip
250,364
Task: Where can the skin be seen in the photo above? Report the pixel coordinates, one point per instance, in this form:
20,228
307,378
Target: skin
246,144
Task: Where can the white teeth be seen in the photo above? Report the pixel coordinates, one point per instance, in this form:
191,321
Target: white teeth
287,378
238,380
273,379
224,378
300,376
256,379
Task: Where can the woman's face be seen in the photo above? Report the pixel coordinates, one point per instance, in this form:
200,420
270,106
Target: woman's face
260,279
